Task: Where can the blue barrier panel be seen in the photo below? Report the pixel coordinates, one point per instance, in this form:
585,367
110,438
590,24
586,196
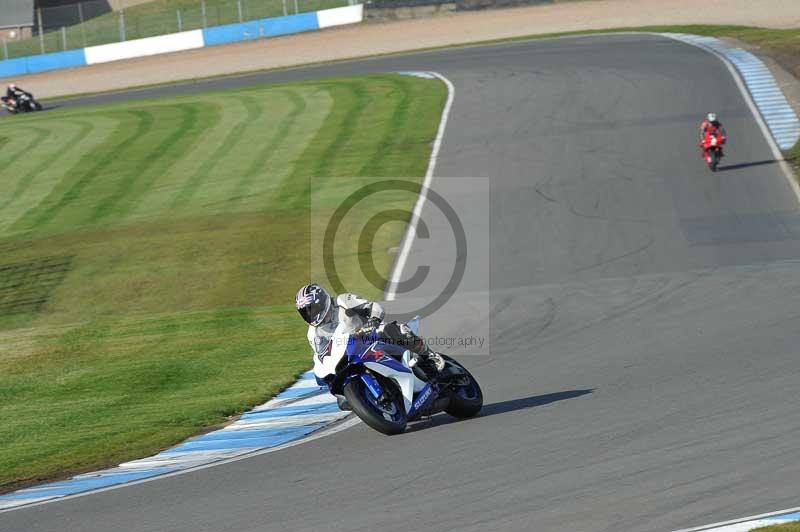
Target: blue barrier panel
68,59
13,67
265,27
40,63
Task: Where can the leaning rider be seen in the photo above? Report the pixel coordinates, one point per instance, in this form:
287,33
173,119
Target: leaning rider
323,314
12,93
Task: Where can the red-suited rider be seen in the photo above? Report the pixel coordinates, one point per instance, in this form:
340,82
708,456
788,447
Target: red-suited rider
712,126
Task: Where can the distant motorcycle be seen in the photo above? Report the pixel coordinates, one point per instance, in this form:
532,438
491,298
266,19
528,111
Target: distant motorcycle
712,148
378,381
25,103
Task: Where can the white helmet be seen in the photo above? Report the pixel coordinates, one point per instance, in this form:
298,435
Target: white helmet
712,117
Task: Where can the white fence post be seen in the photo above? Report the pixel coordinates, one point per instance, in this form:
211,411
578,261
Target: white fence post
5,48
41,32
180,21
239,7
284,8
296,7
203,9
80,17
64,37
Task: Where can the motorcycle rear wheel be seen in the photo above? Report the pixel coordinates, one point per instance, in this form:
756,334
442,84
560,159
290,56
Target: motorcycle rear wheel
388,418
466,401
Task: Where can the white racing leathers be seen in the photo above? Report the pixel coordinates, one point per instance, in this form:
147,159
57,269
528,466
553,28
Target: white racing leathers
352,312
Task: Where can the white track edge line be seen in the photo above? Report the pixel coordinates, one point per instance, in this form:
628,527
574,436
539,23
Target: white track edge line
738,78
408,238
333,428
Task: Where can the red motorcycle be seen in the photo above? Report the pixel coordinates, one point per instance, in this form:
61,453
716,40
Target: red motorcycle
712,148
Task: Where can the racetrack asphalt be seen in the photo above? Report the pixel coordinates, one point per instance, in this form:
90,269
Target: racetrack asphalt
644,370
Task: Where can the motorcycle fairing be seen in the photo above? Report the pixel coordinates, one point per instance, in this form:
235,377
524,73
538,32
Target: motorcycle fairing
423,400
391,361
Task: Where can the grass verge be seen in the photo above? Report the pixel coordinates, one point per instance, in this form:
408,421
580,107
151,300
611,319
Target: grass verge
785,527
151,251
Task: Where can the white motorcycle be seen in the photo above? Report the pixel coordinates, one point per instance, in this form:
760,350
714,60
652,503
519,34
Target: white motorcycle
379,381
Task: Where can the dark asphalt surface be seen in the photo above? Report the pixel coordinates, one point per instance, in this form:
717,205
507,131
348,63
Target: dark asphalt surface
644,367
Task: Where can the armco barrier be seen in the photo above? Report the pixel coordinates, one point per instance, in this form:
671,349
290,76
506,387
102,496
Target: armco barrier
187,40
256,29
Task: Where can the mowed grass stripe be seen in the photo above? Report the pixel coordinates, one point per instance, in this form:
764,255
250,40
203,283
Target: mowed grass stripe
353,98
286,161
48,159
216,194
53,180
236,135
317,160
391,143
140,177
194,126
39,134
97,161
212,128
356,155
259,164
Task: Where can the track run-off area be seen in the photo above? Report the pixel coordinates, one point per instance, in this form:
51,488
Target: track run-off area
643,369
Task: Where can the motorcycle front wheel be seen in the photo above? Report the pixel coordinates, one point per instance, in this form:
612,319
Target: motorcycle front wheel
714,160
387,416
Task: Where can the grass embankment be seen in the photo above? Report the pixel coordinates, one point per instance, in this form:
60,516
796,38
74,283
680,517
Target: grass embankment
158,17
794,157
786,527
151,252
